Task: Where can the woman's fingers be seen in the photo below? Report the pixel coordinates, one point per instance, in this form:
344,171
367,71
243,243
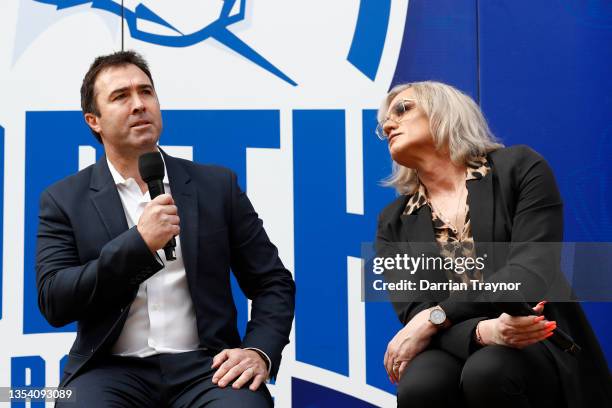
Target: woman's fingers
397,358
539,308
533,336
385,359
520,322
547,328
520,331
393,373
392,362
389,364
526,324
533,329
525,343
401,369
396,371
520,340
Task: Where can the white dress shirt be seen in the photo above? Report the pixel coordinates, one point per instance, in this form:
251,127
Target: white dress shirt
162,317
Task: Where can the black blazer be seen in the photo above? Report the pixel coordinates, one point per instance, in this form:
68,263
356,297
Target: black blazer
518,201
89,264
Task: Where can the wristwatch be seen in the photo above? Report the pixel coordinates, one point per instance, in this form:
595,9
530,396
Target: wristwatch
437,317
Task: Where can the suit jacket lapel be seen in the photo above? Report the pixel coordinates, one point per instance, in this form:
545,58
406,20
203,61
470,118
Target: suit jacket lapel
106,199
481,201
417,229
186,199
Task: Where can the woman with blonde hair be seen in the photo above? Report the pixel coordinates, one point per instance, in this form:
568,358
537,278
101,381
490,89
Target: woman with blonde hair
458,187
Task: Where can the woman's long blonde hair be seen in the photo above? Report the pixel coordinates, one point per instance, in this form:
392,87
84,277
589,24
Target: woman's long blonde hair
455,121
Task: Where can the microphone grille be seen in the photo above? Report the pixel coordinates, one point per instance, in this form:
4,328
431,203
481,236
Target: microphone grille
151,166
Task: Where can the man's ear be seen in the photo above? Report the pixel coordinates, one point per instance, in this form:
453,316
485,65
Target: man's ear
93,122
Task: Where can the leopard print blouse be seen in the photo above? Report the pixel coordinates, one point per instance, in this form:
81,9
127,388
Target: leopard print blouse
451,243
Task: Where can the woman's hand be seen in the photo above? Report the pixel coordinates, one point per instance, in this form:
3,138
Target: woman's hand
407,343
516,331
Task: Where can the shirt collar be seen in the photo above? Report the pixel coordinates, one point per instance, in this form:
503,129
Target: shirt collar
475,171
119,180
478,169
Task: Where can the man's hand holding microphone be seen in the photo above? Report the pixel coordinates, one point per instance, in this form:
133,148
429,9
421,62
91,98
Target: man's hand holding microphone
159,222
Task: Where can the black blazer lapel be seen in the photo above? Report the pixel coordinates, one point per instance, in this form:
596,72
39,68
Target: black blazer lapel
186,199
106,199
481,202
417,229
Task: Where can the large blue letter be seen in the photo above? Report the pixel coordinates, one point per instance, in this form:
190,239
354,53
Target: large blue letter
19,368
325,235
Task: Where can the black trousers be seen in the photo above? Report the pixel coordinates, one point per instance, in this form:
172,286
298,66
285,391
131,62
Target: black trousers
165,380
494,376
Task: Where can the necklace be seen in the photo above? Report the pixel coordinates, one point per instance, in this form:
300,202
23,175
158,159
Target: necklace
458,215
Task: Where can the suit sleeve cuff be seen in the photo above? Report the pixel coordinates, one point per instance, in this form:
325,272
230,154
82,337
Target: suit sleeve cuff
265,358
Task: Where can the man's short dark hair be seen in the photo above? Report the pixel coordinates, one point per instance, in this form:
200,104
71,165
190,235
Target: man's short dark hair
117,59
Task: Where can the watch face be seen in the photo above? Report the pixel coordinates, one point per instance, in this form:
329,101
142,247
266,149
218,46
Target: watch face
437,316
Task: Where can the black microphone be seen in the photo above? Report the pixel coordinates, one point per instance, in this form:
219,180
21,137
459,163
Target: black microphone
559,338
151,168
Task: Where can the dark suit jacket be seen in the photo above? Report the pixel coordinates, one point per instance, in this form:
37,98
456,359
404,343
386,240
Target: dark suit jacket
517,202
89,264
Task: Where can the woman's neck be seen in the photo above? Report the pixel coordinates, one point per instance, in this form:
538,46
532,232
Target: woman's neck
441,176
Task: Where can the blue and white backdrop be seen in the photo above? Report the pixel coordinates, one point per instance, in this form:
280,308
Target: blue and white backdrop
285,92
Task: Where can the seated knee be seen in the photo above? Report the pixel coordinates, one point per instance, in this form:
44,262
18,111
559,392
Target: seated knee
490,370
416,392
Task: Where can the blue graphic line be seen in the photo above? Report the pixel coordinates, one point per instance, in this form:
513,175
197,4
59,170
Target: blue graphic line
369,38
227,9
227,38
145,13
217,29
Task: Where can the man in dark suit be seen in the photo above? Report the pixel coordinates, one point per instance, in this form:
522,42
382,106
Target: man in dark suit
153,332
